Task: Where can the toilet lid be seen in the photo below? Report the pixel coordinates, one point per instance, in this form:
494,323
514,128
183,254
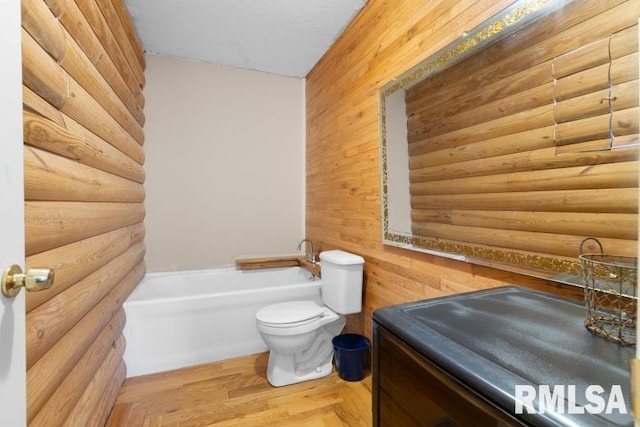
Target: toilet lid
289,312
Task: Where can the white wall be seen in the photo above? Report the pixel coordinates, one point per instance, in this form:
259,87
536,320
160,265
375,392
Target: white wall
224,164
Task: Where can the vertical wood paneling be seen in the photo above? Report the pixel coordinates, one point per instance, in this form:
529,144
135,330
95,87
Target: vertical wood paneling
83,202
342,160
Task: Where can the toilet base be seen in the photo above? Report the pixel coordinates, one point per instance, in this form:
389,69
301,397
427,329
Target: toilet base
279,377
313,362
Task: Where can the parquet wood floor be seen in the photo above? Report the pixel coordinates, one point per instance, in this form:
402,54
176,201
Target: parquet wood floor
235,392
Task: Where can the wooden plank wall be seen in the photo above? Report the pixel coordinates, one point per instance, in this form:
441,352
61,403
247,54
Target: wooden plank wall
514,153
82,84
342,161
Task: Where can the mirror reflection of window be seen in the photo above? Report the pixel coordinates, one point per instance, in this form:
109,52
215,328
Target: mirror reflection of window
399,202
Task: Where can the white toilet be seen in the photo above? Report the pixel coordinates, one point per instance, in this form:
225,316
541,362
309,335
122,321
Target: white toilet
299,333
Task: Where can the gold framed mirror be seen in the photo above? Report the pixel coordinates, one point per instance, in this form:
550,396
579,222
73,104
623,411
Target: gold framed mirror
513,144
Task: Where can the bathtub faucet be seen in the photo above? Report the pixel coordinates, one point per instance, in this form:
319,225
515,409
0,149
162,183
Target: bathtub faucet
311,255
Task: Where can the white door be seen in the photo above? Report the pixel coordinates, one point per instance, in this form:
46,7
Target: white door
12,330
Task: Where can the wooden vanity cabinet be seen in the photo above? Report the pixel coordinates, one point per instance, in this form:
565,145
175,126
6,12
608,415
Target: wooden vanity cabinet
409,390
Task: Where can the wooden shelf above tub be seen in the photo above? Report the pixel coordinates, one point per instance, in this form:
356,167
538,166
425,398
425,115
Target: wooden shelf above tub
277,261
268,262
312,268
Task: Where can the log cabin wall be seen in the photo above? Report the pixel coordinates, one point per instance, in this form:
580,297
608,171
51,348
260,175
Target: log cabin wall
342,161
82,94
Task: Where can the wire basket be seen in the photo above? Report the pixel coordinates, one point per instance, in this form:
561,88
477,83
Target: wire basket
610,294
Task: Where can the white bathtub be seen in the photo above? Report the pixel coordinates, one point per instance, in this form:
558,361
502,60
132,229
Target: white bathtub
187,318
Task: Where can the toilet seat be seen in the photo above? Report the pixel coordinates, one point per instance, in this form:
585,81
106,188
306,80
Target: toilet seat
292,318
289,314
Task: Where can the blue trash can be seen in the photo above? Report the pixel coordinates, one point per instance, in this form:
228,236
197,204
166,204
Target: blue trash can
351,355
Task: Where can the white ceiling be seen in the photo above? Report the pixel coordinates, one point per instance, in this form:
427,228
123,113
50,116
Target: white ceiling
284,37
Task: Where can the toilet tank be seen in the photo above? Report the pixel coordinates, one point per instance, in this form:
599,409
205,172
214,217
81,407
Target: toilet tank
342,281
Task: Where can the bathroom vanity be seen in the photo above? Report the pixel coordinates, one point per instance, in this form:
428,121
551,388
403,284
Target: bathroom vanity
463,360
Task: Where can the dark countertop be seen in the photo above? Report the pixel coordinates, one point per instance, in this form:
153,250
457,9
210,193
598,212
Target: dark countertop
492,340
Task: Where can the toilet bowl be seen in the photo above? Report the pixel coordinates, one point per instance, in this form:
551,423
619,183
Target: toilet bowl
299,338
299,333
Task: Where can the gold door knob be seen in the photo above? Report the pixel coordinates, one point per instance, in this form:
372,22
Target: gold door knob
36,279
